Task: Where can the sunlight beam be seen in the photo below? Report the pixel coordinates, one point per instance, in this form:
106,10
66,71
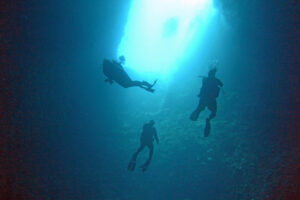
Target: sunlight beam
158,33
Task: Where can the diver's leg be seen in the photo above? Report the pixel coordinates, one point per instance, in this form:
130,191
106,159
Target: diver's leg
194,116
150,154
136,83
213,108
142,146
132,163
145,85
149,86
147,163
130,83
124,80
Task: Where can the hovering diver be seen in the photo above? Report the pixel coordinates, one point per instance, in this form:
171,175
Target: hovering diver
114,71
147,137
208,98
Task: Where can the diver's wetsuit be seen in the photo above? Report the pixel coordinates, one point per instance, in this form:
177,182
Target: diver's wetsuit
148,135
208,95
115,72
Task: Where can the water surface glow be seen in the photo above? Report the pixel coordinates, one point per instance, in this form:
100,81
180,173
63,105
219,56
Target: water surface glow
158,33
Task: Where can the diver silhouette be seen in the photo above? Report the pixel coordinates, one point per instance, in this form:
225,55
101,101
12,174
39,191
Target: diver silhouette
147,137
208,98
114,71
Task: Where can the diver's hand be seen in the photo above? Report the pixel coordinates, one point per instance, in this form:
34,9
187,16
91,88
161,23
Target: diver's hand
108,80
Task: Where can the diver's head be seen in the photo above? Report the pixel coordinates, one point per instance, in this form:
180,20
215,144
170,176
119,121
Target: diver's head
212,72
122,59
152,122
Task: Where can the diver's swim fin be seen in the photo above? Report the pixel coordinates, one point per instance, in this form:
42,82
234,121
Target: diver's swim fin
144,167
207,128
150,90
131,165
194,116
153,84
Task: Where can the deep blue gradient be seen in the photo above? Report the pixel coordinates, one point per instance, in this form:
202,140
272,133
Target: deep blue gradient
70,135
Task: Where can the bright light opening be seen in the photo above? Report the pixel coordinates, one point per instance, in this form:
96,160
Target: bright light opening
158,33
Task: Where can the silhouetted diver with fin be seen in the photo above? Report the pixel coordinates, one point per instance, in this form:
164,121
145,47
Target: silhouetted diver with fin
148,135
208,98
114,71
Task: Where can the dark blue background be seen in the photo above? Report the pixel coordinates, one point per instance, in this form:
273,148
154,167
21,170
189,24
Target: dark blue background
62,127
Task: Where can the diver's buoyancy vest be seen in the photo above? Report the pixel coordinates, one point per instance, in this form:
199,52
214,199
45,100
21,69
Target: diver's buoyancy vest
105,67
210,88
147,134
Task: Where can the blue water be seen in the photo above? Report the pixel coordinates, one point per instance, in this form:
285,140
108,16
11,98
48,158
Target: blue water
78,133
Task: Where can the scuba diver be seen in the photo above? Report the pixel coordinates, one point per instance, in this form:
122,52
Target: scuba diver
147,137
208,98
114,71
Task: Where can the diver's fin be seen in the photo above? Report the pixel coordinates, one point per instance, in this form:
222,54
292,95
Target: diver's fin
207,128
144,167
131,165
153,84
150,89
194,116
